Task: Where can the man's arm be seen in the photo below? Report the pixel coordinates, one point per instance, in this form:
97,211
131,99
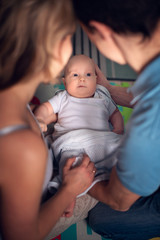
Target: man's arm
113,193
119,94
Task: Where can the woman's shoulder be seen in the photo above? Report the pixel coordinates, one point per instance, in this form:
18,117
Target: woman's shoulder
21,141
20,150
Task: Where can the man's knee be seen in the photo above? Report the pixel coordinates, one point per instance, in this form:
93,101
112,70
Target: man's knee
98,223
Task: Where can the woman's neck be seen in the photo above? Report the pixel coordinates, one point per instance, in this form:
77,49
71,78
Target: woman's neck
13,102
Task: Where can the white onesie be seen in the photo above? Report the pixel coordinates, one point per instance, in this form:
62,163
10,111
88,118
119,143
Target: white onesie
83,127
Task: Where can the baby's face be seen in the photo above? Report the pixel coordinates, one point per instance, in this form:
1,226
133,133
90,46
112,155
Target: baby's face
80,79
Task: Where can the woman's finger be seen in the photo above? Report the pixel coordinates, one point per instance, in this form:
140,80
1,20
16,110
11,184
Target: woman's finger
91,167
68,164
94,170
85,160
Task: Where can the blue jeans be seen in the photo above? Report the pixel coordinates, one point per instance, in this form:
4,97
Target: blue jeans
140,222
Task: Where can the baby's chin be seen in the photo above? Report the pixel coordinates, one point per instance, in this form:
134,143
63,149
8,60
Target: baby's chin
81,93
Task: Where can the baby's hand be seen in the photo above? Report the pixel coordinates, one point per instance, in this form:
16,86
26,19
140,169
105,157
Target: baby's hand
118,131
42,125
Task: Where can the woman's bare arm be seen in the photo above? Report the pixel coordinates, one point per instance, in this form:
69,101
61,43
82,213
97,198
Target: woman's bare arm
22,176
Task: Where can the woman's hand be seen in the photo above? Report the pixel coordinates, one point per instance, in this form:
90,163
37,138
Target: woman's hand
79,178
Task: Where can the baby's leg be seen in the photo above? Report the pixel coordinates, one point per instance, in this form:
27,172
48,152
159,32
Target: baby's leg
69,210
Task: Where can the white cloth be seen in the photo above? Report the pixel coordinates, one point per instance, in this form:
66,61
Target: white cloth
83,128
82,113
98,145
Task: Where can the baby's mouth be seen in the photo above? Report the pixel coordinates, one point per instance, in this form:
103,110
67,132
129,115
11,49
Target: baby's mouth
81,86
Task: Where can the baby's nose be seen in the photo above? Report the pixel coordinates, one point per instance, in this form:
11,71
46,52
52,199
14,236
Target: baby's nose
82,78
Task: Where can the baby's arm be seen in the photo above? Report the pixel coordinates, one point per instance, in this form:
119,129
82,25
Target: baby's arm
45,115
117,122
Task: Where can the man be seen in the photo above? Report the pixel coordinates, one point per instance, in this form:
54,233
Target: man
128,32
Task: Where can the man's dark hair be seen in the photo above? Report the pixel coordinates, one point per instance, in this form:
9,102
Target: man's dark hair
123,16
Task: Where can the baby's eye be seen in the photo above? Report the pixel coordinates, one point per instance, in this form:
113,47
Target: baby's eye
88,74
75,75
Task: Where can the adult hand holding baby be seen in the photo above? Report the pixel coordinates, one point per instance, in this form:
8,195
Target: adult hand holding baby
78,178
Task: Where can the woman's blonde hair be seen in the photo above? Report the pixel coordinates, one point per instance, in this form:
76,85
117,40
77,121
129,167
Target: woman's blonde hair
29,29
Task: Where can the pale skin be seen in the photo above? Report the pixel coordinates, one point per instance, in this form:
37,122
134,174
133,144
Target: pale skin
79,85
113,193
80,81
23,163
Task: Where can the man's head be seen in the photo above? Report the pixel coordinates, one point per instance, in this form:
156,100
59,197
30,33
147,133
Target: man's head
79,77
125,31
123,16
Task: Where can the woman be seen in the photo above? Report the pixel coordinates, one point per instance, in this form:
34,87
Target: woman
35,45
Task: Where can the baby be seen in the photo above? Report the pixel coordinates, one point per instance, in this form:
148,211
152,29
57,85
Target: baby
83,116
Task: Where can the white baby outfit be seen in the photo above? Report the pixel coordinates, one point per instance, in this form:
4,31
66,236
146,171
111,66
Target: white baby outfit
83,128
